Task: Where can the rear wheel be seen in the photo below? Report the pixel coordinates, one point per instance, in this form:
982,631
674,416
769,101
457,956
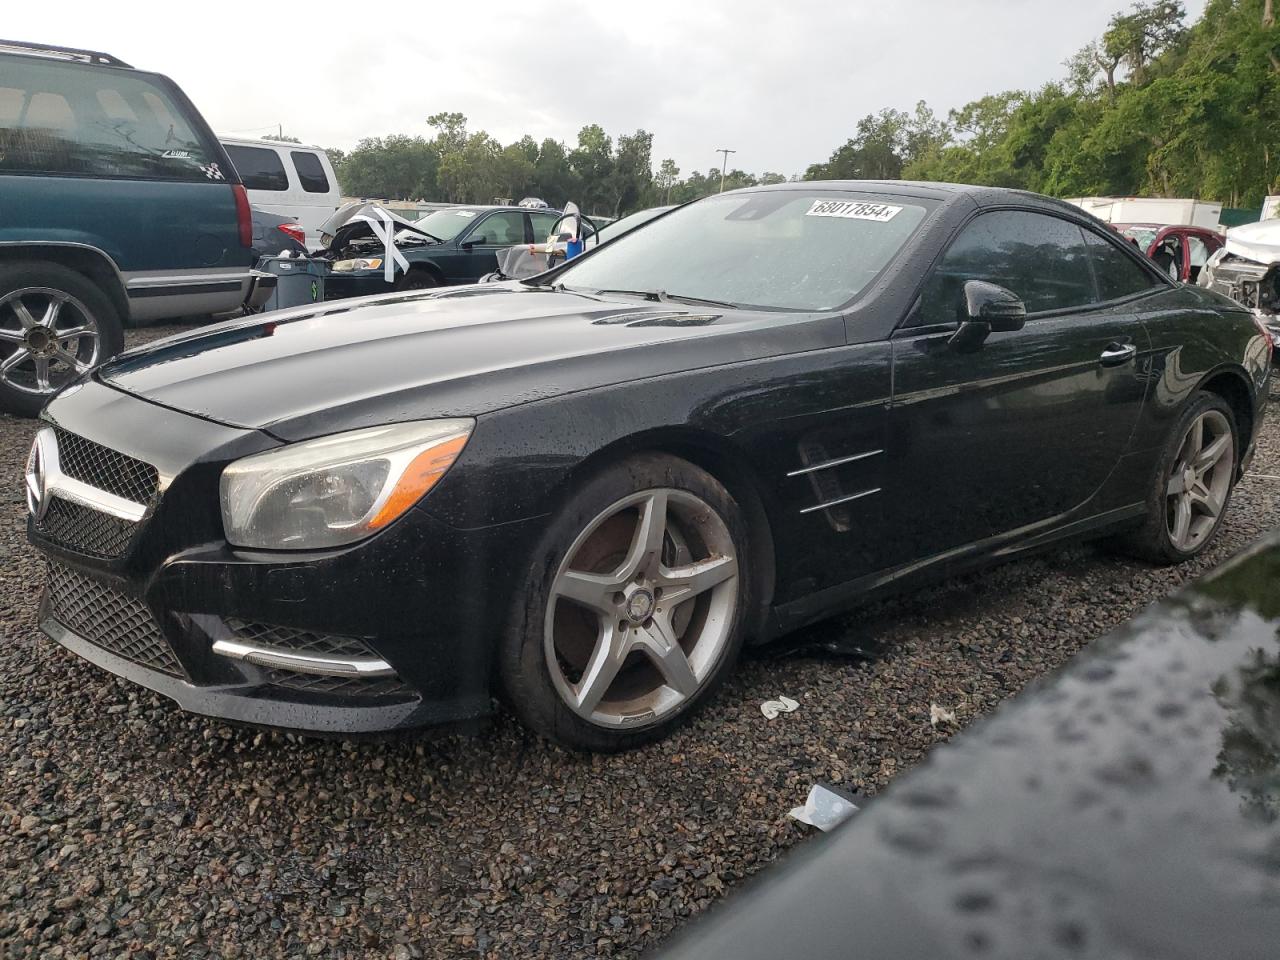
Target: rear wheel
633,610
1193,486
55,324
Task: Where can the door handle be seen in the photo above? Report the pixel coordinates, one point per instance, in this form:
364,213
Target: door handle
1117,353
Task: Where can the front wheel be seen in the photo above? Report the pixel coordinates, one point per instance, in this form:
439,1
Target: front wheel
417,279
632,613
1193,486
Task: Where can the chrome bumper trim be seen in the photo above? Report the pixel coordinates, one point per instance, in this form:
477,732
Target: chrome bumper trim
365,668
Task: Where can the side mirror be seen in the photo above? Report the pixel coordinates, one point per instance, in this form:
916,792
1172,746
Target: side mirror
1002,309
474,241
990,308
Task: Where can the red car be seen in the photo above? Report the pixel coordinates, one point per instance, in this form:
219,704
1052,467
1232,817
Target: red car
1179,251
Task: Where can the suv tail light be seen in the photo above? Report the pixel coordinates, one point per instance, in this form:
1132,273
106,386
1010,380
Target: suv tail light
244,218
293,232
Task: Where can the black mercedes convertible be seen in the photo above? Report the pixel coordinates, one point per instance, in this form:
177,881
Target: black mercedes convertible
584,493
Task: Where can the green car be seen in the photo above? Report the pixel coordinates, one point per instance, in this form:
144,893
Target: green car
117,205
451,246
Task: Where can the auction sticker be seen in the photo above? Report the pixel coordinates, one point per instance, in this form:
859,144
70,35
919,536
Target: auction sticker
853,210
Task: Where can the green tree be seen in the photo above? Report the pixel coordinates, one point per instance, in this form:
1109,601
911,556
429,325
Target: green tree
395,167
668,176
592,164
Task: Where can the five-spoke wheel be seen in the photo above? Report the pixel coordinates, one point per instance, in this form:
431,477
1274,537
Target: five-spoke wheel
1200,480
641,607
1195,475
634,606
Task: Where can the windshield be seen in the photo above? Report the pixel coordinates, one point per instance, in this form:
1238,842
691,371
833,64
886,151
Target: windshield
1143,235
618,227
776,249
447,224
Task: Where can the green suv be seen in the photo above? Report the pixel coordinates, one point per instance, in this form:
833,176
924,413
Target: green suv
117,205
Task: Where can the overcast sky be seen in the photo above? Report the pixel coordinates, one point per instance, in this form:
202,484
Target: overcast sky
782,83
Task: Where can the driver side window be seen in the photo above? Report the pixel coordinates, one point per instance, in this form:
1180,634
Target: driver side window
505,228
1038,257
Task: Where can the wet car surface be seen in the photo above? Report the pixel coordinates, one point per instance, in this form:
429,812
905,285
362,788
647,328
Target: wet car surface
1127,806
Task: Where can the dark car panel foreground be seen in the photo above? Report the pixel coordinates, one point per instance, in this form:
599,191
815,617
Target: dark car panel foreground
1125,807
585,493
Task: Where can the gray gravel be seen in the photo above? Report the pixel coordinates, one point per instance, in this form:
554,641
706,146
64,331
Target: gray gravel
129,829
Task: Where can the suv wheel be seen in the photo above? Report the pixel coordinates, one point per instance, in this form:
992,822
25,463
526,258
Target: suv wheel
55,324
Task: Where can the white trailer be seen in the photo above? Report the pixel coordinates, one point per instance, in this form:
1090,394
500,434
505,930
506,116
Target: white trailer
1165,212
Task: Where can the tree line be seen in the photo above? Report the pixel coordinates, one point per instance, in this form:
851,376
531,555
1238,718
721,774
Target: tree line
1154,106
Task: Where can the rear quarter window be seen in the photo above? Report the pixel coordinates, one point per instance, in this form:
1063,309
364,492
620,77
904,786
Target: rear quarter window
310,172
78,120
1118,276
260,168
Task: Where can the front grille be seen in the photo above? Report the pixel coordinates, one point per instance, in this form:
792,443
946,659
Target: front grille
341,686
300,641
106,469
109,619
85,530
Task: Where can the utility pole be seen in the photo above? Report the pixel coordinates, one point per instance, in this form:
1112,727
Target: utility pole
725,165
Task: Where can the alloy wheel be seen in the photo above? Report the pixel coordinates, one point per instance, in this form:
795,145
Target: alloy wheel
642,608
47,338
1200,480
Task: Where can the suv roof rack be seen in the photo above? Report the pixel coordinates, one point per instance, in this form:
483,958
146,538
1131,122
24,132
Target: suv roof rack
88,56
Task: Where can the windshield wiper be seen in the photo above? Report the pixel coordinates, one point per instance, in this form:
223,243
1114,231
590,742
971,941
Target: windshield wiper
661,296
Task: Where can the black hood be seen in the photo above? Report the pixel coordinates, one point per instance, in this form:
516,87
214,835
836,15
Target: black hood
460,352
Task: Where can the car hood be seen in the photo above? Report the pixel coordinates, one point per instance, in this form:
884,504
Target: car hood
352,222
1256,241
460,352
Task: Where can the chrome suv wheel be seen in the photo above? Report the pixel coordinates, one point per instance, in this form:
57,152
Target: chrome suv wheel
55,324
50,336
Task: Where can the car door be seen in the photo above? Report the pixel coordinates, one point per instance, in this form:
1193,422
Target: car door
1025,429
493,232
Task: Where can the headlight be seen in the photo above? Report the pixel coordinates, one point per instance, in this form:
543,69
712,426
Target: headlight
360,263
338,489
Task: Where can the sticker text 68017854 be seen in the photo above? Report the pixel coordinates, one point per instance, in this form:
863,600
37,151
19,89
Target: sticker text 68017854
852,210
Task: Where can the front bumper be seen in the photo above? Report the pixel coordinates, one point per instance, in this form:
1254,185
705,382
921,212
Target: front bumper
252,700
355,283
171,606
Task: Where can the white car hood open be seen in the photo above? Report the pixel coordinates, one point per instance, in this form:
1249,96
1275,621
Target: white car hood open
1256,241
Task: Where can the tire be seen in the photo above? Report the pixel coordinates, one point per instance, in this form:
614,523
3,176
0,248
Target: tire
417,278
28,289
1157,540
654,664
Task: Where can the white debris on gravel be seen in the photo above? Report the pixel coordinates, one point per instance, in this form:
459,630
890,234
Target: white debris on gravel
771,708
939,715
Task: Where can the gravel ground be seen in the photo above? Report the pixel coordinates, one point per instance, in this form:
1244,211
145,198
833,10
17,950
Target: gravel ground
129,829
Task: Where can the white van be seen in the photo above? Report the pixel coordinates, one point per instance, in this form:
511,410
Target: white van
287,179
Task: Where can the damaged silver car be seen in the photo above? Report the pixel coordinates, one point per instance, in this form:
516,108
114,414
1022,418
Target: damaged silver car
1247,269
